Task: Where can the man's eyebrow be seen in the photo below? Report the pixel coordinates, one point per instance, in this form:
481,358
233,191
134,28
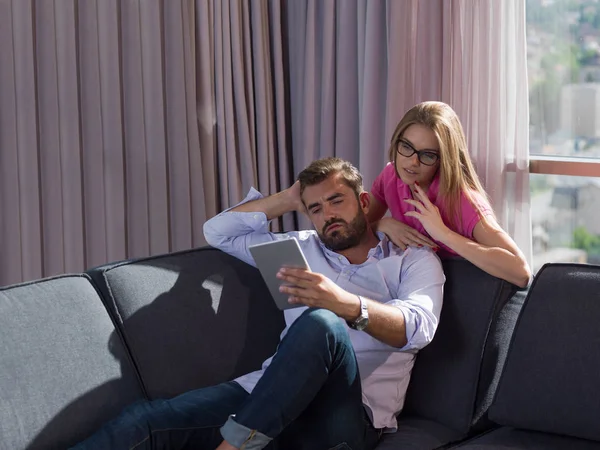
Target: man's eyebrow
330,198
334,196
411,145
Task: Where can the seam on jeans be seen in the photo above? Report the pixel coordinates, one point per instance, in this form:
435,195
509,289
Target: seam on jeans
169,429
140,443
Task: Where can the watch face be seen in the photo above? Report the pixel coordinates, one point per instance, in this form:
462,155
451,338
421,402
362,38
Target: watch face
362,323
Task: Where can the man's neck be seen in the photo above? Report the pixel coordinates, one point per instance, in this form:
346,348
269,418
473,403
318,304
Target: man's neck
359,253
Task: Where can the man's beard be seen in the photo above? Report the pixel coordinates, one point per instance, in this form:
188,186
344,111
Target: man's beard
347,235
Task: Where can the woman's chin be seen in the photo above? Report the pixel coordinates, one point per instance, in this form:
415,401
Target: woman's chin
408,178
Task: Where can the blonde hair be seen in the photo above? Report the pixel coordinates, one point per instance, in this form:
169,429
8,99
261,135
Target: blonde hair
456,171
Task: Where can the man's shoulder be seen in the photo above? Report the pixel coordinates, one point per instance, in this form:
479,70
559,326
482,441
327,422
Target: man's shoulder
414,255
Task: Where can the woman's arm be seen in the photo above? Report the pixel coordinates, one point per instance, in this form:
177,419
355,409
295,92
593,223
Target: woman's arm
491,248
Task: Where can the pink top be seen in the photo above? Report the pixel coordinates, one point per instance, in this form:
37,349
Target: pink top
391,191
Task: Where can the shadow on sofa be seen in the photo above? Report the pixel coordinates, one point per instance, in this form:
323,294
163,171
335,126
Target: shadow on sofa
179,335
180,332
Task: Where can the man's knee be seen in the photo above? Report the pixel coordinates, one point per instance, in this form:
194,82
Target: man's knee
321,322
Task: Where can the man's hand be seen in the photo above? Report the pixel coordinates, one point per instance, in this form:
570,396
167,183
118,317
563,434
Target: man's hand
317,291
293,193
276,205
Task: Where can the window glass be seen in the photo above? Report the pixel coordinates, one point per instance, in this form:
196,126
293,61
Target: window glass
565,214
563,62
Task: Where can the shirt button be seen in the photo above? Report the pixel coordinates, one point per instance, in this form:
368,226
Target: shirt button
256,216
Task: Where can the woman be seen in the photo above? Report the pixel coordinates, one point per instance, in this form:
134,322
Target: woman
436,199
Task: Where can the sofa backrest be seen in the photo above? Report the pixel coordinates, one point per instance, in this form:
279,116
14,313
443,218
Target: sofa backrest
448,374
64,369
191,319
551,378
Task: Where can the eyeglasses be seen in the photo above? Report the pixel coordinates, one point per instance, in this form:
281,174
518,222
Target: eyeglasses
426,157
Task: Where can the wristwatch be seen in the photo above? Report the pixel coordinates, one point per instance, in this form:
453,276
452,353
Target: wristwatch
363,320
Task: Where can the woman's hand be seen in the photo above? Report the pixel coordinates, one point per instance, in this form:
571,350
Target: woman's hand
403,235
428,214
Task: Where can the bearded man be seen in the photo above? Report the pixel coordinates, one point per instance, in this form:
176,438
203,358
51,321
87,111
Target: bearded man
340,373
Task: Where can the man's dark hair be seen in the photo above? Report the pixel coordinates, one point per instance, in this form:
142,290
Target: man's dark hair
321,169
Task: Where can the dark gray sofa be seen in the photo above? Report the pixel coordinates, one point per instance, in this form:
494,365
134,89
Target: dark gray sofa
76,349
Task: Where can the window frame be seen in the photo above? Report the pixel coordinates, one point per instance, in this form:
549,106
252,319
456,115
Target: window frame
564,165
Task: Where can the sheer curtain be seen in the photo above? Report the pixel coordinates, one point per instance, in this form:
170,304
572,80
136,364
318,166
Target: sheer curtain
485,80
124,125
356,66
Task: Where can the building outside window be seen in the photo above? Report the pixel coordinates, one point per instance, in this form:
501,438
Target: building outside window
563,39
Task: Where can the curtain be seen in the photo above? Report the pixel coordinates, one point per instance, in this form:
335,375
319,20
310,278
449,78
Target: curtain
124,125
485,81
357,66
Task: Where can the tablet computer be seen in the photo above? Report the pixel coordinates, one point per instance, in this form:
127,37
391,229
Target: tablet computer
273,255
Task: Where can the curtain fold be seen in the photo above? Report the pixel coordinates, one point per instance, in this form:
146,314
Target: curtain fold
485,81
391,55
125,125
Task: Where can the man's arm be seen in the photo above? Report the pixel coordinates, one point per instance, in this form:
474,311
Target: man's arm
275,205
246,224
408,322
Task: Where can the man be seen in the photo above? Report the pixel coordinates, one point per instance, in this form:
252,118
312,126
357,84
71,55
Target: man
340,373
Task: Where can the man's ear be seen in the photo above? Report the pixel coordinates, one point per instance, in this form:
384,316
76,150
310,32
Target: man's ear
365,201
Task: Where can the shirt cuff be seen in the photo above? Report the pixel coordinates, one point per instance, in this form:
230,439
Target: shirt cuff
412,322
243,437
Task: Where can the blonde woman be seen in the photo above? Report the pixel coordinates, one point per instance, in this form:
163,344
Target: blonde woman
436,199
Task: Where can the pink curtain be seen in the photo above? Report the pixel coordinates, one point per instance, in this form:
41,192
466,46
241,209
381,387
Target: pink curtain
124,125
357,66
485,80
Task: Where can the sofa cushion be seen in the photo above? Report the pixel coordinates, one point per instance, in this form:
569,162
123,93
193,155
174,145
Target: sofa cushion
514,439
418,434
445,380
550,382
64,369
191,319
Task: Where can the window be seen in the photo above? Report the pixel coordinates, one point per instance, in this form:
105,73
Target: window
563,56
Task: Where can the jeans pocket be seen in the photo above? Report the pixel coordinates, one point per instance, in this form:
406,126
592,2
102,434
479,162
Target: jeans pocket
342,446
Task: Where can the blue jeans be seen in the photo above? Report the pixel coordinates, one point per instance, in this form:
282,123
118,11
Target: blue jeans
309,398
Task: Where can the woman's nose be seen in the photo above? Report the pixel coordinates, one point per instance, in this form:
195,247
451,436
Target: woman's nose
414,159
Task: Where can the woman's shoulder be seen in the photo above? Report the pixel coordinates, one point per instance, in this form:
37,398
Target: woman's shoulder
475,201
388,173
387,180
